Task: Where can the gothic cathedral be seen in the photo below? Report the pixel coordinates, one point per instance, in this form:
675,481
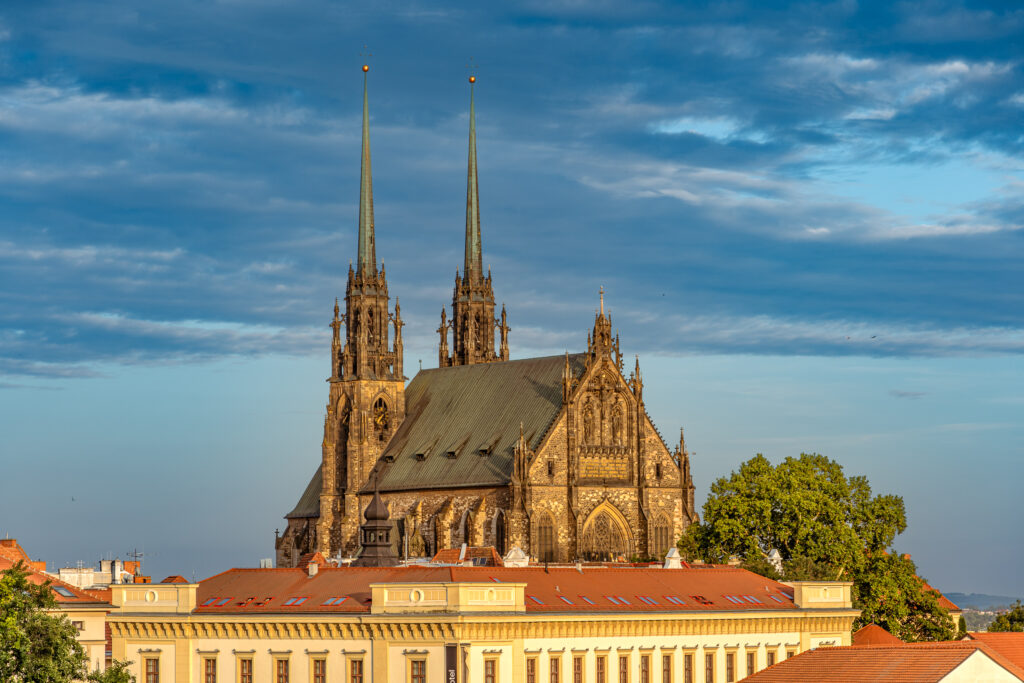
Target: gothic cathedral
555,455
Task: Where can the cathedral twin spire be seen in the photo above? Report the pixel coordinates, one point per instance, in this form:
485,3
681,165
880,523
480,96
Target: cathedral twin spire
367,321
473,323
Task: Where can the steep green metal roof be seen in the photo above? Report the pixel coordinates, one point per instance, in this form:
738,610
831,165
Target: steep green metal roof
467,408
309,503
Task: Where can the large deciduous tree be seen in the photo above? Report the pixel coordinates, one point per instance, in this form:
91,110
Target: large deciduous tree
824,525
37,645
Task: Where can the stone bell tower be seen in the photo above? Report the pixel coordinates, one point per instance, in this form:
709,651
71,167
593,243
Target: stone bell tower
473,322
367,388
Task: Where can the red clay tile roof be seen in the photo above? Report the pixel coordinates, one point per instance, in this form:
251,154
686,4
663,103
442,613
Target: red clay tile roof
707,588
873,634
175,578
65,594
944,602
12,550
451,556
904,663
316,558
1009,645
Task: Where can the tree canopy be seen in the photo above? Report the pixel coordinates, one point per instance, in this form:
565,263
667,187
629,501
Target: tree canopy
824,525
1011,620
37,645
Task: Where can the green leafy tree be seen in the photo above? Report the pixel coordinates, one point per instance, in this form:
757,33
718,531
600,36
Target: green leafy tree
825,525
36,646
117,672
891,594
805,508
1011,620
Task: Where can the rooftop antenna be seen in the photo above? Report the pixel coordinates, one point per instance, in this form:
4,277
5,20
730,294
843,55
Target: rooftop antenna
137,556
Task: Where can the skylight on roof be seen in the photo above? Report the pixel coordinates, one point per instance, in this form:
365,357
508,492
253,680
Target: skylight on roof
208,602
623,600
495,579
675,600
295,602
535,599
611,599
61,590
566,600
222,602
585,599
334,601
776,598
647,599
752,599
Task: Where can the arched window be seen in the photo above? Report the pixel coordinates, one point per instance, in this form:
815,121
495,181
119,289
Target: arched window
604,538
466,528
499,532
662,538
546,538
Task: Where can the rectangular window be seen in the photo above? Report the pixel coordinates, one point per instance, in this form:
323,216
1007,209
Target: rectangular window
556,673
623,669
751,663
281,667
709,668
319,671
600,669
645,669
355,671
730,667
244,671
688,668
418,671
790,654
152,670
209,670
531,670
771,658
80,625
666,669
490,671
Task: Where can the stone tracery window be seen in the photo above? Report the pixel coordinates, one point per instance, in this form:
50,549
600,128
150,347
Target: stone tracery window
662,537
604,539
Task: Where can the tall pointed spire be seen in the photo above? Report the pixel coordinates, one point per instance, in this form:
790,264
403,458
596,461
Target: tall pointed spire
473,267
367,247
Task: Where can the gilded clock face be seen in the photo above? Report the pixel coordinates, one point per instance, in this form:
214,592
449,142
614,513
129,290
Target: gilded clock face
380,414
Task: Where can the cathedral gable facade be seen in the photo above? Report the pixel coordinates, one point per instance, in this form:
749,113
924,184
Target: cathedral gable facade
555,455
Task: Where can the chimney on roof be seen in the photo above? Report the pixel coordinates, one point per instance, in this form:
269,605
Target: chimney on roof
115,574
312,568
462,553
673,560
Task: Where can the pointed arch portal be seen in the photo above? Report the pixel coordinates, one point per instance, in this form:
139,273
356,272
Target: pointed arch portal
606,535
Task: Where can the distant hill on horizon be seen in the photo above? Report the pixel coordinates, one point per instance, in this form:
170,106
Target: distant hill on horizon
980,601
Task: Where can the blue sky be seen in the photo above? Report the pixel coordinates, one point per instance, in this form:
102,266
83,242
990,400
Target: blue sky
807,217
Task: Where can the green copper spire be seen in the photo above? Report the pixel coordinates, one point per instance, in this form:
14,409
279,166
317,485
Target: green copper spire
367,249
473,268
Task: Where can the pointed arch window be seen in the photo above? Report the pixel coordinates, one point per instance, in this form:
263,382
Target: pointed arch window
546,539
662,536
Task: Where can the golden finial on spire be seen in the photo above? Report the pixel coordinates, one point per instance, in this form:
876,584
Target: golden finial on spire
366,67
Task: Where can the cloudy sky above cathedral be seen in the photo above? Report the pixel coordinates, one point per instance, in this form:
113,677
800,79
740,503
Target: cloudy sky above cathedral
786,205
